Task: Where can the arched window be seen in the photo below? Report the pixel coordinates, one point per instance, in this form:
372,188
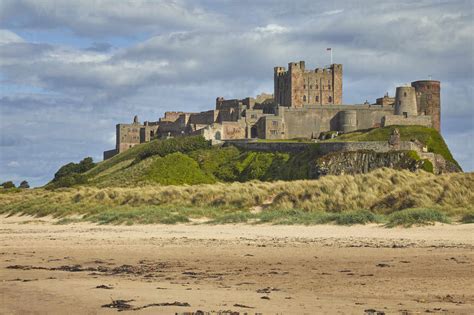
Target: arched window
317,98
405,94
330,99
304,98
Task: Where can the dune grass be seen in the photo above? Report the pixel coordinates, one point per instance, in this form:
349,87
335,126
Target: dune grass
344,199
410,217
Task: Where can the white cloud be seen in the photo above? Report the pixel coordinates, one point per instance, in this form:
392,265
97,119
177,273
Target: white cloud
272,29
13,164
7,37
332,12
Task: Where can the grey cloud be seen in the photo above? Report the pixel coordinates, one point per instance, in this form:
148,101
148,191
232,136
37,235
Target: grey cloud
105,18
100,47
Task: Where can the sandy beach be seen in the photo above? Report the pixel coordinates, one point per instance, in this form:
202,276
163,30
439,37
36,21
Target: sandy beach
83,268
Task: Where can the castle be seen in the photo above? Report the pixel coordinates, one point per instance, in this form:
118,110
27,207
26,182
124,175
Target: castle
305,104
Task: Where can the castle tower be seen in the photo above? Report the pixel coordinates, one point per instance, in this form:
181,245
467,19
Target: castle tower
348,120
428,100
298,87
405,101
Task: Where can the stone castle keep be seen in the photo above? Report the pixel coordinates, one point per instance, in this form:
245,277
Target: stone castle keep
305,104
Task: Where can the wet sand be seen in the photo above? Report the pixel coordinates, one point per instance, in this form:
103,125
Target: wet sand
160,269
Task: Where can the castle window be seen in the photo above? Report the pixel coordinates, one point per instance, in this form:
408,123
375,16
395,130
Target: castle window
405,114
304,98
405,94
275,123
274,132
317,98
329,87
316,86
304,86
310,87
330,99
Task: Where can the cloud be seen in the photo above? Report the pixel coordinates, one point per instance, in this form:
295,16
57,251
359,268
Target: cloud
7,37
100,47
104,18
178,55
332,12
272,29
13,164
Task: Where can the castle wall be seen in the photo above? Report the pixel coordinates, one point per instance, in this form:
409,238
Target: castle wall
171,116
324,148
223,131
203,118
109,153
400,120
310,121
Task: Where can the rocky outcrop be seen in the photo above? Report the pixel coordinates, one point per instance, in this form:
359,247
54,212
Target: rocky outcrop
357,162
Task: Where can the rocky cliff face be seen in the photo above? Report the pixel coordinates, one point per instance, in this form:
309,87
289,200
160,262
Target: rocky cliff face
357,162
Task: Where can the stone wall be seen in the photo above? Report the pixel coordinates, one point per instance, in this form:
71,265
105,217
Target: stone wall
203,118
325,147
310,121
109,153
391,120
127,136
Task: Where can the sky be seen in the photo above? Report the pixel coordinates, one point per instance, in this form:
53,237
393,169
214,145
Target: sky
71,70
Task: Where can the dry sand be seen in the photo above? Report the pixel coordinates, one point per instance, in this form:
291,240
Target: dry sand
55,269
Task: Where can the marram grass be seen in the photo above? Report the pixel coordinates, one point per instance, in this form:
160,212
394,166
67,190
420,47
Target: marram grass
380,196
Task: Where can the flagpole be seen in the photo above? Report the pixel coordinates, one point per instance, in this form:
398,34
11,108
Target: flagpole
331,55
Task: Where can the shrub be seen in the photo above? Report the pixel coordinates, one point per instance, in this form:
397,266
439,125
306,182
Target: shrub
355,217
468,218
427,166
74,168
24,184
69,181
168,146
409,217
177,169
218,161
8,184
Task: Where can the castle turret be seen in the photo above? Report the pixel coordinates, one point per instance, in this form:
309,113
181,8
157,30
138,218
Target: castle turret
428,100
405,101
348,120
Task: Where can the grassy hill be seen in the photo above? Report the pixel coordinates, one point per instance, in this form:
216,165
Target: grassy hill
192,160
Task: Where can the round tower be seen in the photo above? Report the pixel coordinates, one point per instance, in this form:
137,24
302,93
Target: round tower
348,120
428,100
405,101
